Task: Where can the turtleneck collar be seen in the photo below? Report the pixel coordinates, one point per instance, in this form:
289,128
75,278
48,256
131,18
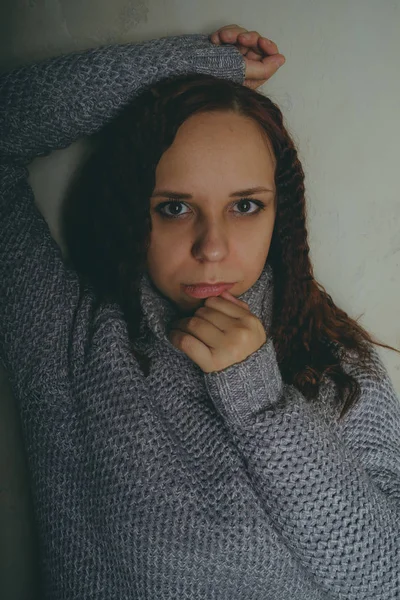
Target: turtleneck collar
159,311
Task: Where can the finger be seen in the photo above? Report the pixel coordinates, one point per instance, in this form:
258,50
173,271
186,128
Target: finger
265,68
258,45
233,27
268,45
243,50
252,55
232,309
230,33
235,300
196,350
201,329
249,38
216,317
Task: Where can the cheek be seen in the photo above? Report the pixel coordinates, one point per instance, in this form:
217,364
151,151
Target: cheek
257,238
253,248
169,240
167,248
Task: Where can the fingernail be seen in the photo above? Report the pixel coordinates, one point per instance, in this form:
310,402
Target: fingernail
246,36
279,60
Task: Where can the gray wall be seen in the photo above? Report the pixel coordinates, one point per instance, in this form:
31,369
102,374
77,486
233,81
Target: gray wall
340,92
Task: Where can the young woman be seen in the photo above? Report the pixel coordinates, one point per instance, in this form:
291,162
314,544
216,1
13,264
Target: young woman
201,420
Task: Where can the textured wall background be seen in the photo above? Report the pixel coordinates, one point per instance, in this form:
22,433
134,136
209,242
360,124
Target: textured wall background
340,92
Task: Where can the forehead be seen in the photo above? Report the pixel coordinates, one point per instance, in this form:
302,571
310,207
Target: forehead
218,147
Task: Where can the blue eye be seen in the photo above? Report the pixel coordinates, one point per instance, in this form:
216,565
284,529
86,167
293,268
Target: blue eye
176,203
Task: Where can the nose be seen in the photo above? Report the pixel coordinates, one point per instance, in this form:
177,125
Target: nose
211,242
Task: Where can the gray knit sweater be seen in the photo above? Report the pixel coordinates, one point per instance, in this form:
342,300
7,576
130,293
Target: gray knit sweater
179,485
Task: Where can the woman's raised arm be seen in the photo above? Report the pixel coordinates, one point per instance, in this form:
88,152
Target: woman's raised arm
46,106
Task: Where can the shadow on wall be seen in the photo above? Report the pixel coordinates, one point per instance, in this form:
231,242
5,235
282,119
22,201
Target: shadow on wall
33,30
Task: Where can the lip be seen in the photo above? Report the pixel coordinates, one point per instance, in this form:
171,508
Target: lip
204,290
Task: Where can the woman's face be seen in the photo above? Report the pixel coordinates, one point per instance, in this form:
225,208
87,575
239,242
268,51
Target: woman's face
213,235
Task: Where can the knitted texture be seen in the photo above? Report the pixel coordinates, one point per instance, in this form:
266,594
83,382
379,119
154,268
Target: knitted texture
181,484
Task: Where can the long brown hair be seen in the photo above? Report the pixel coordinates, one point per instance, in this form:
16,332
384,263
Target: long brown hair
106,227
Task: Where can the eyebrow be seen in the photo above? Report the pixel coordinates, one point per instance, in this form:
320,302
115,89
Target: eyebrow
181,196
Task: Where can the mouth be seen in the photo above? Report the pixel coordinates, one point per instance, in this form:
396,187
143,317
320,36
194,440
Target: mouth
204,290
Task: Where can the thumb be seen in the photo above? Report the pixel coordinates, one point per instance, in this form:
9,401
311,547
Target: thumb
265,68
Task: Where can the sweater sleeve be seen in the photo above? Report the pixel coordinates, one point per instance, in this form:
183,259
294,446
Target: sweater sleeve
46,106
330,489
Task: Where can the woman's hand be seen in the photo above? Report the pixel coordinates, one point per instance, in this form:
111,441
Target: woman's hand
219,334
260,54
